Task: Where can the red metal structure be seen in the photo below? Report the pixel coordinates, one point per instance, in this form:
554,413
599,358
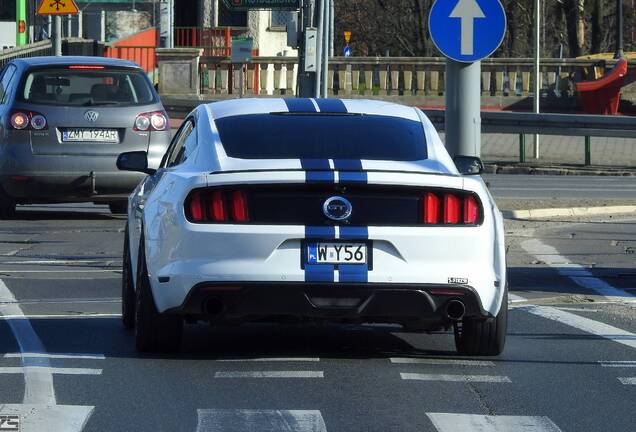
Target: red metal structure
602,96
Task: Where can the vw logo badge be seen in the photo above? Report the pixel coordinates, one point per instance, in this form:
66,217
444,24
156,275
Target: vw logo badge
337,208
91,116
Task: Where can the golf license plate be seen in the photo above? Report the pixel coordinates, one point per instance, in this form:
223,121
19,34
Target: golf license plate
90,135
336,253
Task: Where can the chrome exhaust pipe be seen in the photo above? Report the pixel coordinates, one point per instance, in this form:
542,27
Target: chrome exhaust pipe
455,310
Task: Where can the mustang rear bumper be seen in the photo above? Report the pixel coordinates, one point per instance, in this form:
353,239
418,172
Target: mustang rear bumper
420,305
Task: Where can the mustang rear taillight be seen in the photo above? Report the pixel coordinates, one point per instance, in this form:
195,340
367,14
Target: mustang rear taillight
445,208
25,120
217,205
157,121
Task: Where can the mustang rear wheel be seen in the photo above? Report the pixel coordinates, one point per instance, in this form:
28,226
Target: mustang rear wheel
154,331
483,337
127,288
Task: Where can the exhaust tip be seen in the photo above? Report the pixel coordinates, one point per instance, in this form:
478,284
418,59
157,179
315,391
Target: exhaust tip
455,310
213,306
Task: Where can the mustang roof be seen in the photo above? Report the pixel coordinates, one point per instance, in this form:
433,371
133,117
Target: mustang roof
308,106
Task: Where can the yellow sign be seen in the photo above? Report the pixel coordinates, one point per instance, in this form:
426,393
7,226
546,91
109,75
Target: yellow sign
347,36
57,7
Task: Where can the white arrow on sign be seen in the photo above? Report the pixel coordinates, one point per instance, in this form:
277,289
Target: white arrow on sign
467,11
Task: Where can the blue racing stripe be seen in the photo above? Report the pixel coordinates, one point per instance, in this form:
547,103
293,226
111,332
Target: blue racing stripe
320,177
354,233
319,272
295,105
331,106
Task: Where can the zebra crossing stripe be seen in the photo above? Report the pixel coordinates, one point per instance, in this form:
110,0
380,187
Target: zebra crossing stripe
269,374
446,422
618,364
442,362
218,420
628,381
56,356
48,369
455,378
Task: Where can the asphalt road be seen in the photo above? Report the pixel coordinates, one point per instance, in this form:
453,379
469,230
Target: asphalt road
561,187
569,364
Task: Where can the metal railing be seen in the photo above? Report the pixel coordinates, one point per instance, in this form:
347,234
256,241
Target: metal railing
523,124
216,42
43,48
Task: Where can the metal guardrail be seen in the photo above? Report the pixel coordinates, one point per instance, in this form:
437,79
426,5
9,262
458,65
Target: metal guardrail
42,48
523,124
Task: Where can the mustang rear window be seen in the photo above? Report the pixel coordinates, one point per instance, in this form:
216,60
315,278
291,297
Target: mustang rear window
79,85
322,136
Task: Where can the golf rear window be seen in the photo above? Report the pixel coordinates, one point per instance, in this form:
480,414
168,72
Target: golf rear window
322,136
80,85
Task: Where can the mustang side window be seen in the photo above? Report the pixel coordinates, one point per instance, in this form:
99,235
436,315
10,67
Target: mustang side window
176,154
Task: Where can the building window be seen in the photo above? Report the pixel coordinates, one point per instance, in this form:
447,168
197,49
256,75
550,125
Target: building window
229,18
279,19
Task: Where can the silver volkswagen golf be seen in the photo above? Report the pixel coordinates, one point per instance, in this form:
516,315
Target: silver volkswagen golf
64,121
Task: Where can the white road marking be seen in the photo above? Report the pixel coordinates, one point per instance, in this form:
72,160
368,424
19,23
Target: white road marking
585,324
515,298
571,309
61,316
57,418
618,364
51,370
39,410
436,361
69,301
101,262
269,374
274,359
576,272
212,420
7,271
455,378
57,356
446,422
628,381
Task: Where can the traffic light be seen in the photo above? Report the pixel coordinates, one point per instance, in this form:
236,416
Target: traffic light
21,27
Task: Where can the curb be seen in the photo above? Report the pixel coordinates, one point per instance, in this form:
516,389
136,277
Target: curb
565,212
494,168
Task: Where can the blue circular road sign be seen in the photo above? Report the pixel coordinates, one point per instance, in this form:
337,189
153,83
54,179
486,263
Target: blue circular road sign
467,30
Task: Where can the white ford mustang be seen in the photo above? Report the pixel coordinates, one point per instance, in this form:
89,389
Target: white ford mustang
333,210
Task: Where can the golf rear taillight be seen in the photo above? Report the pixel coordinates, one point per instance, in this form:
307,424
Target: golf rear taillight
446,208
27,120
217,205
157,121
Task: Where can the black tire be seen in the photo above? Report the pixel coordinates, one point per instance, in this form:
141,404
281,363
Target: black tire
478,337
154,332
7,205
127,288
120,207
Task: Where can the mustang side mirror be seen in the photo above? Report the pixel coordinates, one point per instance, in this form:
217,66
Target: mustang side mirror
134,161
468,165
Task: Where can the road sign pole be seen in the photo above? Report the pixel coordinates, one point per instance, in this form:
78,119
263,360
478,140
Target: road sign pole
58,35
319,46
463,105
306,78
325,50
537,70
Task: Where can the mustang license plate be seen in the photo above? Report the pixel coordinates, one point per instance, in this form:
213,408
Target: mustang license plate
90,135
336,253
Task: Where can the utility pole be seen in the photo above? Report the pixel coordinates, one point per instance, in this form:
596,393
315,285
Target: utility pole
325,49
319,46
306,79
619,29
332,27
58,35
537,70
